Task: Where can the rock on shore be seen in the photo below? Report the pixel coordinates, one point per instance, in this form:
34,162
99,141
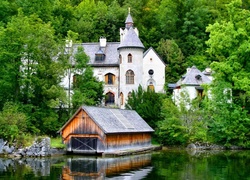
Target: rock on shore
40,148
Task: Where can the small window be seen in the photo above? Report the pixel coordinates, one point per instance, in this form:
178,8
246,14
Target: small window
109,78
151,72
99,56
129,94
120,58
130,77
129,58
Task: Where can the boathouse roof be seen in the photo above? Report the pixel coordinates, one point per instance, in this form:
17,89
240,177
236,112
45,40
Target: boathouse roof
112,120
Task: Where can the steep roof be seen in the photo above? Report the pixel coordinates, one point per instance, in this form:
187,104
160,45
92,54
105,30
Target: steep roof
129,19
112,120
110,51
131,39
193,77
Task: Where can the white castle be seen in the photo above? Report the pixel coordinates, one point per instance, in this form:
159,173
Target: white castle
122,66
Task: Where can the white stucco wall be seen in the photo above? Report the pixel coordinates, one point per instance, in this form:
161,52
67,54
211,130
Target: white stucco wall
152,61
136,66
100,73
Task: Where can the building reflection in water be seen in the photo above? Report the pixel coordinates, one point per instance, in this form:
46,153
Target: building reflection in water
129,167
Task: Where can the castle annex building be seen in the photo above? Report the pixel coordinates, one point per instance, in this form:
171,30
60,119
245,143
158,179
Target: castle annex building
124,65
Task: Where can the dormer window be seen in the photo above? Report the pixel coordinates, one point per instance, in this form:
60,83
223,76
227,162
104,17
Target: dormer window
198,77
99,56
129,58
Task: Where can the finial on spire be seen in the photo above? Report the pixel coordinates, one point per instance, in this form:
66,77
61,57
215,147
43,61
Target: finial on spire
129,10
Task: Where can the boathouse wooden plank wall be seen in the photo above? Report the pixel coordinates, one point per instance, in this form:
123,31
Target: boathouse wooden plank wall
98,130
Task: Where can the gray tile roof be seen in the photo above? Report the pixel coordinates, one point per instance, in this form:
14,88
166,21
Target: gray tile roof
110,51
115,120
193,77
131,40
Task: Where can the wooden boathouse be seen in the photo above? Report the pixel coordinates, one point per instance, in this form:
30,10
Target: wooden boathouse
103,130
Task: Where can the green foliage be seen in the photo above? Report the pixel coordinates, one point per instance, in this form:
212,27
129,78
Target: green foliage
171,130
12,122
87,89
228,123
29,73
228,46
184,123
173,57
57,143
147,104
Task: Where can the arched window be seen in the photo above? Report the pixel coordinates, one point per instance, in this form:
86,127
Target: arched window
129,94
110,98
129,58
109,78
120,58
130,77
121,98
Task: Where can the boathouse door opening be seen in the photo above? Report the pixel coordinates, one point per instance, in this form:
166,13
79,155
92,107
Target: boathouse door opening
84,145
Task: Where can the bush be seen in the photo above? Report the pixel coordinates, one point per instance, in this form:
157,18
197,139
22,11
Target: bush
12,122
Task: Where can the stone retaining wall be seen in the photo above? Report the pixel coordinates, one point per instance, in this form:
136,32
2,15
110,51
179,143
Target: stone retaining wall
40,148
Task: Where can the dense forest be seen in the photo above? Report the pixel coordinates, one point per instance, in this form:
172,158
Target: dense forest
184,33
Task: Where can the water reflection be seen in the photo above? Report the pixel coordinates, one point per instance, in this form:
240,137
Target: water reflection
132,167
169,164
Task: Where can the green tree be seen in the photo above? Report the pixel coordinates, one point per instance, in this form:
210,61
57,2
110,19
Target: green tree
183,123
173,57
42,8
86,88
228,123
62,17
228,46
147,104
12,122
31,73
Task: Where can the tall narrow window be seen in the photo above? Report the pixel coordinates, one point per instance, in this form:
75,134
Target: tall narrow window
121,98
130,77
129,58
120,58
110,98
109,78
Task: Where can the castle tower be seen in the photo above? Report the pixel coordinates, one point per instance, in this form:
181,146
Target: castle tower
131,60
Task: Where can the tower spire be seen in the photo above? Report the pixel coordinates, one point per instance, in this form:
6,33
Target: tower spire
129,21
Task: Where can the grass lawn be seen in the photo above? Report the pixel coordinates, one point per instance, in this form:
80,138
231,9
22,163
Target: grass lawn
56,142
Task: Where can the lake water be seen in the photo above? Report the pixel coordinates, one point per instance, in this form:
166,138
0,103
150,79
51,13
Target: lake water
168,164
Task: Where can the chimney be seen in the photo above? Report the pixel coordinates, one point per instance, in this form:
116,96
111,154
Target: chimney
103,42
